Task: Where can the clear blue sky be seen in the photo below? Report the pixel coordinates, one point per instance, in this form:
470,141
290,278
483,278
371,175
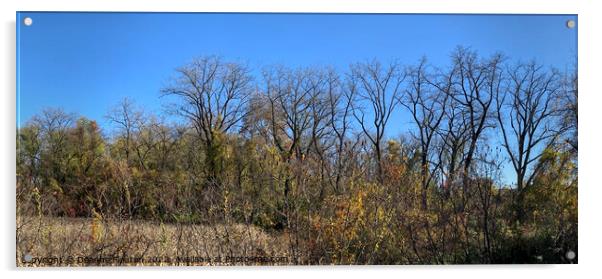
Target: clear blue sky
87,62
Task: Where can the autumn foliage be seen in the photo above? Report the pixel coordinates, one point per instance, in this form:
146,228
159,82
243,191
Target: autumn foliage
302,163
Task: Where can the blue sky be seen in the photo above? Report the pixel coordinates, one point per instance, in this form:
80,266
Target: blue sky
87,62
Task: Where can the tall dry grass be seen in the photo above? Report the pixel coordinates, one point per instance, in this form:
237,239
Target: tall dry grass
46,241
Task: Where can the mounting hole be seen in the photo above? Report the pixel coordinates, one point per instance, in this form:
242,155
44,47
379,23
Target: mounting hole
570,24
28,21
27,258
570,255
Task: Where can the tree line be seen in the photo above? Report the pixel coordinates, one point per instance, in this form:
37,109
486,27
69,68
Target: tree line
307,153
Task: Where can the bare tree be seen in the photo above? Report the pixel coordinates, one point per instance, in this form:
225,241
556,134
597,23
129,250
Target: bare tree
291,94
453,131
129,120
428,110
325,84
379,88
569,109
298,101
524,112
54,125
340,99
476,84
213,96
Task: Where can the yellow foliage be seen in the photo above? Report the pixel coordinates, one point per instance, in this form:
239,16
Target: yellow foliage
96,227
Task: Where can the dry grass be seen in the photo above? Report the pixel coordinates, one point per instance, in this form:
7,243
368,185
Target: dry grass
74,242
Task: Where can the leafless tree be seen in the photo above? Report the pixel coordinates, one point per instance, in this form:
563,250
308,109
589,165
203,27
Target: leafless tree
569,109
325,84
129,120
453,130
213,95
298,103
427,107
54,125
378,87
476,83
291,95
524,112
340,99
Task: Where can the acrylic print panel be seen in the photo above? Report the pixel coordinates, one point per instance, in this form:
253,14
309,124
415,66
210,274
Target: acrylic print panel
295,139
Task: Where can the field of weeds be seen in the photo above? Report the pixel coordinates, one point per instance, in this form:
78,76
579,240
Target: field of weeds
96,242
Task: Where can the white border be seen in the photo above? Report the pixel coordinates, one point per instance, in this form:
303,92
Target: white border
589,128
